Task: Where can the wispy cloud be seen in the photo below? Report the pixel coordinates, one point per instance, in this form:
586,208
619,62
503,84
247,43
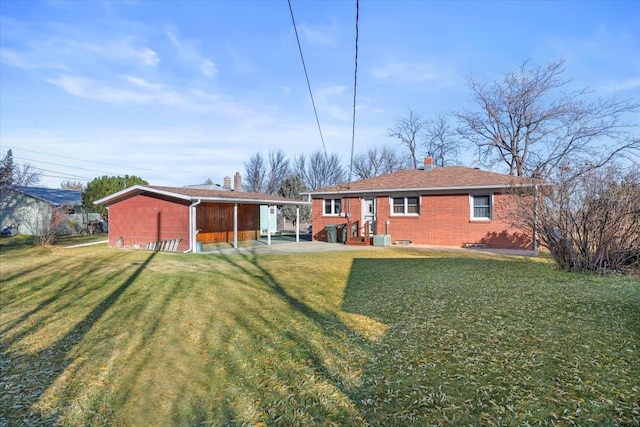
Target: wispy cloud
56,46
134,90
405,72
622,85
188,52
131,90
124,48
230,108
326,99
27,60
320,35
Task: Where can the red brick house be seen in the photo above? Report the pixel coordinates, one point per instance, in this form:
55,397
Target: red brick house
448,206
142,215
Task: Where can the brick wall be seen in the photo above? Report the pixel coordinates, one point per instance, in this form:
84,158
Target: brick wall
444,220
142,219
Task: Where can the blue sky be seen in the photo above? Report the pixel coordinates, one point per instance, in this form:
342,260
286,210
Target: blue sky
180,91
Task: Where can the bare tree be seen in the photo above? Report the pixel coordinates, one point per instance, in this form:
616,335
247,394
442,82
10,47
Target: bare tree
532,122
440,141
278,171
319,170
255,173
48,224
26,175
71,185
377,161
589,219
408,130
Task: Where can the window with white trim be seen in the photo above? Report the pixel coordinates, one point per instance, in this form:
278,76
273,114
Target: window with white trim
480,206
405,205
332,206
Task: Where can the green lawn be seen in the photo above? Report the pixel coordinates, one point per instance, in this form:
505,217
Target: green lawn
385,337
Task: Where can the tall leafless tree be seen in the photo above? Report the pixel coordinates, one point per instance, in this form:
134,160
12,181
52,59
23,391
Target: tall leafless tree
377,161
255,172
409,130
278,171
26,175
441,141
533,122
319,170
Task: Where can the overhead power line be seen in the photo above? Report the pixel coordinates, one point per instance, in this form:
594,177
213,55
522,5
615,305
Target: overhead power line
78,159
58,164
355,86
64,175
306,75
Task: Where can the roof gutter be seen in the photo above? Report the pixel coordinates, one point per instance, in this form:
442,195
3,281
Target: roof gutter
416,189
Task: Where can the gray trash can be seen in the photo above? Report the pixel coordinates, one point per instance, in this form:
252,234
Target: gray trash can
342,233
332,233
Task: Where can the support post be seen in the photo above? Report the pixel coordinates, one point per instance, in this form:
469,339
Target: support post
297,224
269,225
235,226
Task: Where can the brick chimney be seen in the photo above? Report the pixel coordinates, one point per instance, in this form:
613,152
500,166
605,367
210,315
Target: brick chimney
237,182
428,163
227,183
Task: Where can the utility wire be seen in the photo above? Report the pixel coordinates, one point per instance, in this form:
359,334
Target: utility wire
62,174
306,75
58,164
75,158
355,86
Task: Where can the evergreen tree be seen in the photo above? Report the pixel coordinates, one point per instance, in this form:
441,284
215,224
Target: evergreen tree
104,186
291,188
7,169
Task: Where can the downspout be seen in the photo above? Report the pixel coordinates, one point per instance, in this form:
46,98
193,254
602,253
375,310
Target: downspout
192,226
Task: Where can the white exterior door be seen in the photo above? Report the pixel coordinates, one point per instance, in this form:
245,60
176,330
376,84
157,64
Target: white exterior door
369,213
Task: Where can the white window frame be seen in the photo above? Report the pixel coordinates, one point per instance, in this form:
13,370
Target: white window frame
332,207
405,207
472,207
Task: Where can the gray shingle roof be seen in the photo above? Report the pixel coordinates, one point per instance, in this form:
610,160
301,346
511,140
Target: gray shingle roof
53,196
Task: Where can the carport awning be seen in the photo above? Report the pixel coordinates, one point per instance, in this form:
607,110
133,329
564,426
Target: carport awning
204,195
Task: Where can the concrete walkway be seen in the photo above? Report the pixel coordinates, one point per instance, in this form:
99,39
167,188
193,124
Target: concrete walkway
287,246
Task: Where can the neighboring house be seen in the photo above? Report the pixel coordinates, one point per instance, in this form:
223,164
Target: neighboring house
144,214
448,206
32,208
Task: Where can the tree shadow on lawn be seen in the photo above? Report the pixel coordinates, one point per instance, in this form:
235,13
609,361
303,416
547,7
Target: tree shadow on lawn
311,380
19,294
26,376
489,341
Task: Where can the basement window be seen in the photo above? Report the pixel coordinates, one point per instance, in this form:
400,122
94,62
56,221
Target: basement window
332,206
